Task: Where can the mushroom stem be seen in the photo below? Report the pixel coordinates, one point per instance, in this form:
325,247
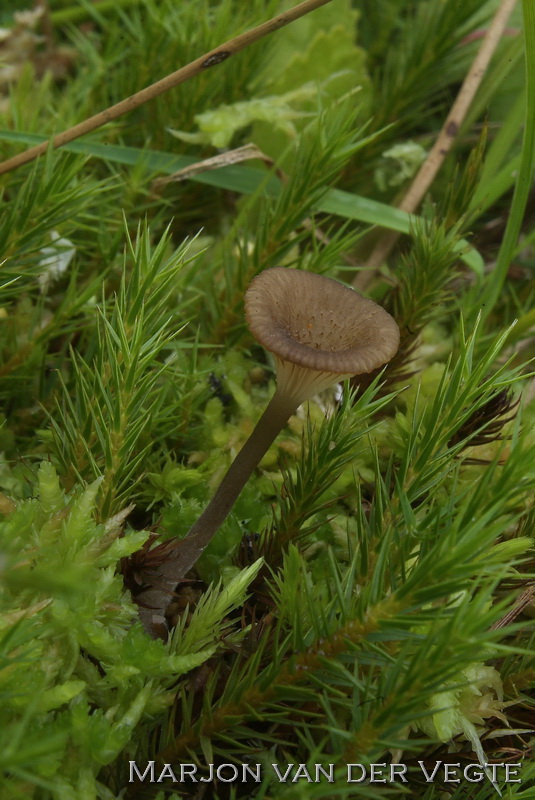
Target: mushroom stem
320,332
154,600
270,424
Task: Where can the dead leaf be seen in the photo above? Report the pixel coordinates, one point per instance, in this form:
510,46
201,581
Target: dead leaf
226,159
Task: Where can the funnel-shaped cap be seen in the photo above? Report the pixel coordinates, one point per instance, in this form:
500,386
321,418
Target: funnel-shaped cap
319,330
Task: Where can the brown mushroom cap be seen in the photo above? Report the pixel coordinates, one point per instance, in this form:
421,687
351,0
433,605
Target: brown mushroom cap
316,323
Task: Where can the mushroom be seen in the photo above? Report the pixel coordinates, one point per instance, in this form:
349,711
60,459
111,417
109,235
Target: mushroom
320,332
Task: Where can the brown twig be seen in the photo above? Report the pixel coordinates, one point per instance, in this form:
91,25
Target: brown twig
446,137
523,601
210,59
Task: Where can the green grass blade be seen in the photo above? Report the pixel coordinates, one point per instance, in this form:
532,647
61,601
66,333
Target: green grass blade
524,176
247,180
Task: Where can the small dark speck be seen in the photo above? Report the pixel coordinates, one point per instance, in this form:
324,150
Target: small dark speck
216,58
452,128
217,388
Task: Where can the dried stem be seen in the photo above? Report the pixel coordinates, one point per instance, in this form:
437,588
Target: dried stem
210,59
523,601
446,137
